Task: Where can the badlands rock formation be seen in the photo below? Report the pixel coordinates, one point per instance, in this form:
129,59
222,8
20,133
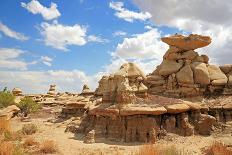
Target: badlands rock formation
185,73
129,106
135,107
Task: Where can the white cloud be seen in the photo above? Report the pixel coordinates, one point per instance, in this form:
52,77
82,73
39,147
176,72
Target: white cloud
148,27
142,46
39,81
9,59
60,36
93,38
214,20
36,8
128,15
46,60
11,33
119,33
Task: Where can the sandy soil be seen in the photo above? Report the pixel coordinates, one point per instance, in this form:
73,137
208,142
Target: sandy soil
70,144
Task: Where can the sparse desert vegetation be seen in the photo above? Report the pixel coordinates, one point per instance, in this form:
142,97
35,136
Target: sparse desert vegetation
48,147
29,129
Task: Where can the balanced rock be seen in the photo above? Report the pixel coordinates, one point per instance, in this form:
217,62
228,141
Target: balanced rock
17,92
191,42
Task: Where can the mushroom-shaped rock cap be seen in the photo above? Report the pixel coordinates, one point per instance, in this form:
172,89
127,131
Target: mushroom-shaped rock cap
16,90
85,89
130,70
191,42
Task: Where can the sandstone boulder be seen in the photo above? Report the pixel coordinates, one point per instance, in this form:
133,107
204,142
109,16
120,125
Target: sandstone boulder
130,70
191,42
205,124
216,75
226,68
169,66
201,74
177,108
9,111
17,92
230,79
85,89
185,75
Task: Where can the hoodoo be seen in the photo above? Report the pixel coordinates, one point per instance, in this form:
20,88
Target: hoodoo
129,106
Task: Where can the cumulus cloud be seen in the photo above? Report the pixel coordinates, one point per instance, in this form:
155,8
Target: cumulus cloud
36,8
128,15
142,46
60,36
39,81
11,33
145,49
46,60
93,38
9,59
202,17
119,33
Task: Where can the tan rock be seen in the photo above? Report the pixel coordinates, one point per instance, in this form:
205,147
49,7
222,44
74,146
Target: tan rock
85,89
226,68
185,75
202,58
177,108
169,66
17,92
130,70
188,55
9,111
216,75
230,78
193,106
201,74
191,42
154,78
142,111
156,83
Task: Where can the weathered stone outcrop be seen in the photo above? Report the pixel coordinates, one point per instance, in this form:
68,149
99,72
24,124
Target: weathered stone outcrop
17,92
185,73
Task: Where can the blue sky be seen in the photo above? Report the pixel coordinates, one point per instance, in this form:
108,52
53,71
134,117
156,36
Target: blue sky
73,42
97,16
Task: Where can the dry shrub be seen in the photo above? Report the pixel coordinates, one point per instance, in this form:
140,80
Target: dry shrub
29,129
48,146
150,149
8,148
218,148
4,124
12,136
30,141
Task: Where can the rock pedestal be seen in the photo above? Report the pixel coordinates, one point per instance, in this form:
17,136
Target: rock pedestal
52,90
17,92
185,73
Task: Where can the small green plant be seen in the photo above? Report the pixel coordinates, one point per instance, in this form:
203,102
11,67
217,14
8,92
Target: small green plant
27,105
6,98
29,129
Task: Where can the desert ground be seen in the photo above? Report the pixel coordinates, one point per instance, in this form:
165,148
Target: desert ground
71,144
